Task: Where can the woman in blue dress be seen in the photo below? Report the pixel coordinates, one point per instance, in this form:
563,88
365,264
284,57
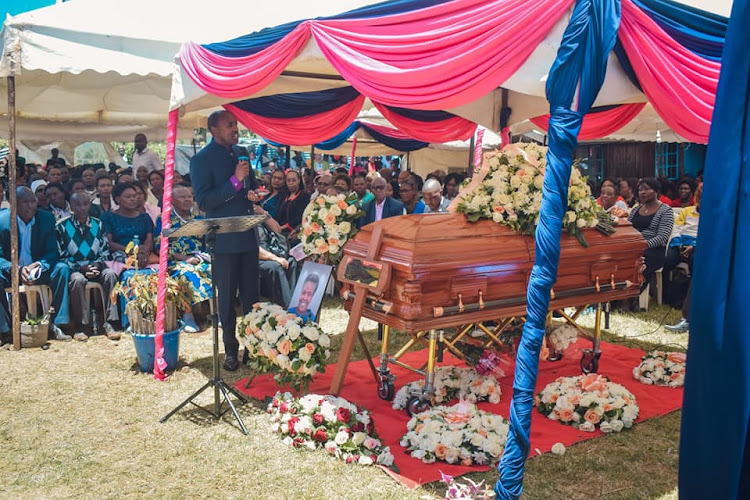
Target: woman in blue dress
273,200
187,254
124,225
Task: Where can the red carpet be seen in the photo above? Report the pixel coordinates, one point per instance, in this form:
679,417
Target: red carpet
617,363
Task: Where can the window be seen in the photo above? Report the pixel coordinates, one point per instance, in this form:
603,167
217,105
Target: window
591,161
667,160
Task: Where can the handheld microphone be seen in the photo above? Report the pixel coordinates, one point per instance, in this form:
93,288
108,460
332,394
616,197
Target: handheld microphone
242,155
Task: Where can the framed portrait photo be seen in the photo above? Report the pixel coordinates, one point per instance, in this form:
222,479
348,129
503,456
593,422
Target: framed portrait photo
308,294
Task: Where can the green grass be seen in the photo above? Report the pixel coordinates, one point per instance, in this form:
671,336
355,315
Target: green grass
77,421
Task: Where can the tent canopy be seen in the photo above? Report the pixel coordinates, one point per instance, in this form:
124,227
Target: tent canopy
105,62
305,63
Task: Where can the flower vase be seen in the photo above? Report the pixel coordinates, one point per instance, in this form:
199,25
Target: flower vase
143,332
34,335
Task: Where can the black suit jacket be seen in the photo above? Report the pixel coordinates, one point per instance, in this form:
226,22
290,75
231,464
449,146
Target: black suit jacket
391,208
210,171
43,240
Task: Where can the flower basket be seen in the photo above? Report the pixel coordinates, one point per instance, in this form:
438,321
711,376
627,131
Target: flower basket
327,224
34,335
147,326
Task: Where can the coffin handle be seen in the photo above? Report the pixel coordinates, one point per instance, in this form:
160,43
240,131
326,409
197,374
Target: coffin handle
598,288
481,301
460,304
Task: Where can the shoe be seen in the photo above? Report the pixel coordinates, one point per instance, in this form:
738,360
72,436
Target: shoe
59,335
110,331
189,324
80,336
231,364
681,327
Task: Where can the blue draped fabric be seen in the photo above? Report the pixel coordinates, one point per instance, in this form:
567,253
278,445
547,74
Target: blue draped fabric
252,43
396,143
714,438
581,60
422,115
699,31
403,145
334,141
298,104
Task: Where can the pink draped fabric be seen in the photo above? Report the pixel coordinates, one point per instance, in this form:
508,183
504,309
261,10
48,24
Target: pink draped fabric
300,131
159,363
389,131
434,58
602,124
679,84
241,77
453,129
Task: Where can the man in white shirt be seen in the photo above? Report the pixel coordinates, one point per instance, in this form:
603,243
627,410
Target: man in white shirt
381,206
144,156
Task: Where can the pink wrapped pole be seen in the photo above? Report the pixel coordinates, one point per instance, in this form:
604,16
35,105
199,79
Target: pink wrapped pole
166,209
478,147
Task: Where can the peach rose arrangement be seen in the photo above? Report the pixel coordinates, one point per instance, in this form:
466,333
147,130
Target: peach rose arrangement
327,223
280,342
661,368
587,402
511,194
458,434
345,430
452,382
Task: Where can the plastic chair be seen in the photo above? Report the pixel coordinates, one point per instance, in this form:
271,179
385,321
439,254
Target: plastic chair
43,292
92,288
643,298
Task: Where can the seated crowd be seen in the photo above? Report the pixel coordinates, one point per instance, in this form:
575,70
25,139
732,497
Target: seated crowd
76,223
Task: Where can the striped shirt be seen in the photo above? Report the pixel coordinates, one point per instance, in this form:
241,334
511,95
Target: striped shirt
658,232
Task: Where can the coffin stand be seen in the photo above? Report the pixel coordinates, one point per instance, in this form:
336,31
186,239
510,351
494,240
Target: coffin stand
439,277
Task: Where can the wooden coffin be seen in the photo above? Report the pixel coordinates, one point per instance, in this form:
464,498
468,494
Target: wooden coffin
445,271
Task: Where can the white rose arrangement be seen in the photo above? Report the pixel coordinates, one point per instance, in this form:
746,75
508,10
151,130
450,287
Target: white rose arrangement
511,194
562,336
661,368
587,402
458,434
327,224
452,382
343,429
280,342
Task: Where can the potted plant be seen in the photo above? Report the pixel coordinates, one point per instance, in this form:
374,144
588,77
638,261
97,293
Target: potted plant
140,291
34,331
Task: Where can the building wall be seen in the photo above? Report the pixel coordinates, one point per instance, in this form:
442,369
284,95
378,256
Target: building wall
634,159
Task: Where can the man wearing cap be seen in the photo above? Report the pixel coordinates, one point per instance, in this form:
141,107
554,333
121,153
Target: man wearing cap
38,259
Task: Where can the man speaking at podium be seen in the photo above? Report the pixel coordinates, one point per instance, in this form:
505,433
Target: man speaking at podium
221,179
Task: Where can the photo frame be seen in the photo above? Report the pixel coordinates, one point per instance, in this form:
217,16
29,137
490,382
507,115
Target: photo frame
308,294
365,273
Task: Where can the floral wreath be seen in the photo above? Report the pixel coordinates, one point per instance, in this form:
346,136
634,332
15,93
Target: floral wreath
508,190
661,368
343,429
458,434
587,402
452,382
280,342
562,336
327,224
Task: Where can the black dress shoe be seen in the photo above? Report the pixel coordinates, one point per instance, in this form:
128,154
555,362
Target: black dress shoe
245,356
231,364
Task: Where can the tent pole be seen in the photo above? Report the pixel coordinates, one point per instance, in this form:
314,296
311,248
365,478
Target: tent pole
16,311
354,151
312,157
470,171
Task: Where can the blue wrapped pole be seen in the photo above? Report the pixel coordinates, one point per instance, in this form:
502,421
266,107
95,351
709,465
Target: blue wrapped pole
574,81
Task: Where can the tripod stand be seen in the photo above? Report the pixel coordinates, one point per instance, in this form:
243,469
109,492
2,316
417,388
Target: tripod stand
210,228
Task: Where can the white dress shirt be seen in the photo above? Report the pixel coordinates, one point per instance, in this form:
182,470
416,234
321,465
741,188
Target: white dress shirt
379,209
147,158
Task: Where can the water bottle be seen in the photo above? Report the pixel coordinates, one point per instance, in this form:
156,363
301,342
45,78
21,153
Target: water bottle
94,322
136,240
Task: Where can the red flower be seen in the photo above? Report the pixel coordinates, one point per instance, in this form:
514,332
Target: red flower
284,407
358,427
343,415
349,459
298,442
318,419
374,458
371,427
291,422
320,436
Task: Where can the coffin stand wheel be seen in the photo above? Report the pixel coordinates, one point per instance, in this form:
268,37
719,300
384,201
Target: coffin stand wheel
590,361
386,389
416,405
